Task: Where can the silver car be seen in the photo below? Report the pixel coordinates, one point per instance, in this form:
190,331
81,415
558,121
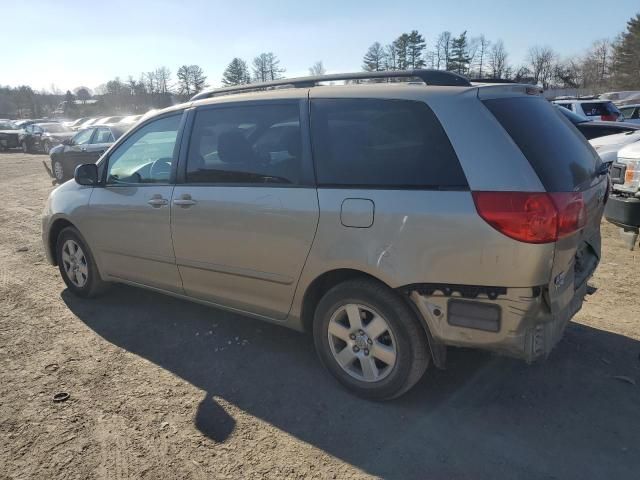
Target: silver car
391,220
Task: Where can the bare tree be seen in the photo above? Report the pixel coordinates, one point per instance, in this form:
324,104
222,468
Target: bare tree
483,52
497,60
163,80
596,64
266,66
542,62
443,51
317,69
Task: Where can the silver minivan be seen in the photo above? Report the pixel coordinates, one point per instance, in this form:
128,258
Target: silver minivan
390,219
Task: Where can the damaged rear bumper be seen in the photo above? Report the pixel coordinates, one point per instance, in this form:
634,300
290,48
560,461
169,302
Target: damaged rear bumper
516,322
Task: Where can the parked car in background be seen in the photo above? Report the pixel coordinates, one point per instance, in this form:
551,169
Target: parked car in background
76,123
609,145
623,207
25,122
594,109
88,122
631,113
113,119
86,146
596,128
419,217
9,135
40,137
131,119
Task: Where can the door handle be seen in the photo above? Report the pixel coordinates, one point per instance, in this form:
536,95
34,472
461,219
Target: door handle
185,201
157,201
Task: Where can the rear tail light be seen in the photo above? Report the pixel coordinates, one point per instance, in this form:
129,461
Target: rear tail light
612,117
532,217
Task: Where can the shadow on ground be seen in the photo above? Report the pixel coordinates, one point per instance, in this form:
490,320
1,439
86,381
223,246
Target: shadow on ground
485,417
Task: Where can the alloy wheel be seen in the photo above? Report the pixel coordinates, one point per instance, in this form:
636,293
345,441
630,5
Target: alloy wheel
362,342
74,263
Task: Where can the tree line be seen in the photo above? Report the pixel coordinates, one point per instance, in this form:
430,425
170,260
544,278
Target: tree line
608,64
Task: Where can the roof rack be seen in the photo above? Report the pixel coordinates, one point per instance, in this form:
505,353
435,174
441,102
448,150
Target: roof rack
430,77
491,80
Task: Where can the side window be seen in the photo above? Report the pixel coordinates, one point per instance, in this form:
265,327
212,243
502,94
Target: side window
29,129
103,135
83,137
246,144
382,143
147,155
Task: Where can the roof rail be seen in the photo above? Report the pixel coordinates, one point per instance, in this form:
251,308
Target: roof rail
491,80
430,77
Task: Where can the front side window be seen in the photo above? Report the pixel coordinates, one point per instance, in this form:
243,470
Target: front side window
382,143
147,155
246,144
83,137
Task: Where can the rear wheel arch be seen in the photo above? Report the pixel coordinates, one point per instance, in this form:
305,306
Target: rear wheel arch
322,284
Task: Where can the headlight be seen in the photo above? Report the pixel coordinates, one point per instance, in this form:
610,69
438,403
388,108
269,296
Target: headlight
632,173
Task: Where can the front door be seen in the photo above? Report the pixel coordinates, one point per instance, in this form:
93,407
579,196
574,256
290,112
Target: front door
245,212
130,215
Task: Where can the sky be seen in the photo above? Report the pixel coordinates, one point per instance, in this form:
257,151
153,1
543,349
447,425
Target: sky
69,43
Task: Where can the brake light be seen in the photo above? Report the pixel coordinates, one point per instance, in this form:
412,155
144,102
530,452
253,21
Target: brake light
612,117
532,217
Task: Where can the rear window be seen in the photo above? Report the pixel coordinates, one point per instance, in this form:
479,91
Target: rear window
382,143
599,108
557,151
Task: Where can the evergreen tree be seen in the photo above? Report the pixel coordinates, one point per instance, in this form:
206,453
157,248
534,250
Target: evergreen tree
374,59
626,56
237,73
460,58
401,47
415,48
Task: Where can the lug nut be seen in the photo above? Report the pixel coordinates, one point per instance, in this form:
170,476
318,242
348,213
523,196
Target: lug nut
356,349
369,341
352,336
360,332
366,351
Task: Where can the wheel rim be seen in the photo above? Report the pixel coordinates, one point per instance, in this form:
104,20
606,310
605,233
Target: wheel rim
24,147
58,171
45,147
362,342
74,263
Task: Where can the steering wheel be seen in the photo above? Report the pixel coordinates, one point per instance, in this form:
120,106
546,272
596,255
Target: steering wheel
160,168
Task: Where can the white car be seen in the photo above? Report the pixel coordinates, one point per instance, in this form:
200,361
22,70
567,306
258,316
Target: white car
594,109
631,113
609,145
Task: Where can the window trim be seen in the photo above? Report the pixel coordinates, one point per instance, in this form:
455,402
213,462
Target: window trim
308,173
104,164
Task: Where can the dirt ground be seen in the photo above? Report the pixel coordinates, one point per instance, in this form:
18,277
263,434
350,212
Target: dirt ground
161,388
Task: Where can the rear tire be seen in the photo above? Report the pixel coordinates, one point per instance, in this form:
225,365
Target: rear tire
77,266
370,339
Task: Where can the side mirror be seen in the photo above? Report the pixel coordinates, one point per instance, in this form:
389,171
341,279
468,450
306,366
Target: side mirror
86,174
68,141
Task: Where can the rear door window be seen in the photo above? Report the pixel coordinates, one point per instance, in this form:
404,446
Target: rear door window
557,151
382,143
254,144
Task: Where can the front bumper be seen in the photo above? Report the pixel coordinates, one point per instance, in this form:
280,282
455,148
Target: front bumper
525,329
623,211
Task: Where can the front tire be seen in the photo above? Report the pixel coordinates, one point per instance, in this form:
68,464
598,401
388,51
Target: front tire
370,339
76,264
46,146
25,147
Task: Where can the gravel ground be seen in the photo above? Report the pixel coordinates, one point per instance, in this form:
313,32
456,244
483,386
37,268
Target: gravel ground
161,388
